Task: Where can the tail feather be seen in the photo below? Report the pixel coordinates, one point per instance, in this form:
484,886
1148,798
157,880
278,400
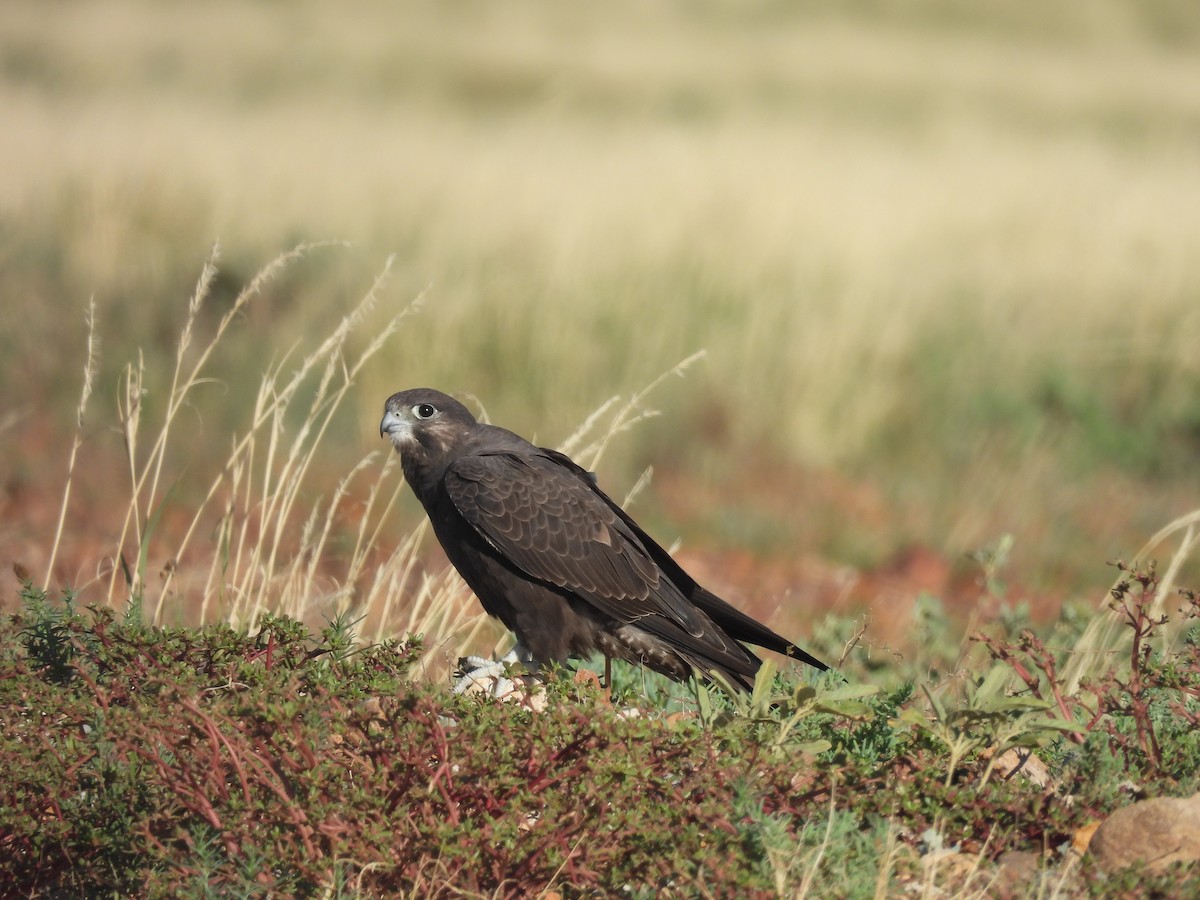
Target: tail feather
742,627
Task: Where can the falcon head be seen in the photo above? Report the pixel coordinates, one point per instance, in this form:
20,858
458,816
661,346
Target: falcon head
423,423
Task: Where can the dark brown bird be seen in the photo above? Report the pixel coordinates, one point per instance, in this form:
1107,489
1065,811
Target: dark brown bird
555,559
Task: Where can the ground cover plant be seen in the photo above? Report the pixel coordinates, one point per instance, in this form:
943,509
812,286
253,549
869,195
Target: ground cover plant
202,761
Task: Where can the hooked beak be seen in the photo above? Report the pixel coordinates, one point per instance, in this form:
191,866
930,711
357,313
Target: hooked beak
391,423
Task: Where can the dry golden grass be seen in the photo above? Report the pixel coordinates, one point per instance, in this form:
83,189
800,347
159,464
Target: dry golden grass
270,534
271,523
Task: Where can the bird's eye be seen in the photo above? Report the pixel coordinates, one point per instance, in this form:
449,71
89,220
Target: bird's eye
424,410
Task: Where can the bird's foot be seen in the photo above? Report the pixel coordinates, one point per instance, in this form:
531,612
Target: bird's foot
495,677
476,673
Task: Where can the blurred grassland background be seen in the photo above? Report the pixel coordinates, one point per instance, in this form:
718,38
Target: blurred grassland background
944,257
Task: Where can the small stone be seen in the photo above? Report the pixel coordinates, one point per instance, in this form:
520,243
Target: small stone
1017,869
1156,833
372,708
1016,761
950,866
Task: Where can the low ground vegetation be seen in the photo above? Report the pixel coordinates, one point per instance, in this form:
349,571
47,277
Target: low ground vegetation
214,761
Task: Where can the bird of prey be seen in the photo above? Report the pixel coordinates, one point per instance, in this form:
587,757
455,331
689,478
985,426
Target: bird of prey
555,559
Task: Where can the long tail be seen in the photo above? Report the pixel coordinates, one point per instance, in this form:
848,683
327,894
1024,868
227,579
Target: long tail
741,627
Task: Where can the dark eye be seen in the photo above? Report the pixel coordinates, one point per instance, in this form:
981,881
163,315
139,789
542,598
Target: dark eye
424,410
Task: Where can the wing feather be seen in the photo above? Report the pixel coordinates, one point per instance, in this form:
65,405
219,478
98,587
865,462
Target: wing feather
554,526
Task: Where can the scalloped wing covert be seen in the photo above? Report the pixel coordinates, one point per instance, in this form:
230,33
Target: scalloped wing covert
554,526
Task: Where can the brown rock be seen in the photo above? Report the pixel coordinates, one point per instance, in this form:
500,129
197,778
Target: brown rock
1155,832
1015,761
1016,871
950,867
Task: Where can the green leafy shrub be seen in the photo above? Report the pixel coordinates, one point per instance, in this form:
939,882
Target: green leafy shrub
194,762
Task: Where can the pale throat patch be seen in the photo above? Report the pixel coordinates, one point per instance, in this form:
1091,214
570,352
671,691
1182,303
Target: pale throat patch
403,436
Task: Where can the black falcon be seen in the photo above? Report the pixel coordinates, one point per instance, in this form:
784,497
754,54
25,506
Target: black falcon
555,559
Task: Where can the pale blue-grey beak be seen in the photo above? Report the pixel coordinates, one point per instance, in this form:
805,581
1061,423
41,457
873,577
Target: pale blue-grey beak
390,422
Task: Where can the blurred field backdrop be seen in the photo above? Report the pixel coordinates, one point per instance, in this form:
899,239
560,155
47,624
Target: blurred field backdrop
943,258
